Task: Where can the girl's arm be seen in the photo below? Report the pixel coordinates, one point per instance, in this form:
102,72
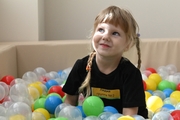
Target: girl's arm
130,111
71,99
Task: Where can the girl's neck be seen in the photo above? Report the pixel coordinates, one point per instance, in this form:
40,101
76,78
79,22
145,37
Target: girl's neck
107,64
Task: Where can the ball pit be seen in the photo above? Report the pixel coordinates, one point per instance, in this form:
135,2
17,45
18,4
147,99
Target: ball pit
43,99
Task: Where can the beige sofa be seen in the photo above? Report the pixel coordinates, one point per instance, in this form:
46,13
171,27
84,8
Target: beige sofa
16,58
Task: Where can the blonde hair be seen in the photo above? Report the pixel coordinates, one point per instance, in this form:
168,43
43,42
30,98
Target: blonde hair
118,17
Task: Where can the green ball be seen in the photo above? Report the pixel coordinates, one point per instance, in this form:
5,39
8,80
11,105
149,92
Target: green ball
164,85
53,94
93,105
61,118
39,103
63,99
173,85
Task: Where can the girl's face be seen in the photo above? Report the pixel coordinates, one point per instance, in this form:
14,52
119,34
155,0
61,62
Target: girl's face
109,40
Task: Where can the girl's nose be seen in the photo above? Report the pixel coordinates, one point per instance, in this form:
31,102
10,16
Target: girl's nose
106,36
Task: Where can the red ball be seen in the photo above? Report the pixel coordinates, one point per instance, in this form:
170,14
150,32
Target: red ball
56,89
178,87
7,79
176,114
144,85
152,70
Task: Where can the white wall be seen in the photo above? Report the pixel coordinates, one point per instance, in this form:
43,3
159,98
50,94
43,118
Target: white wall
19,20
35,20
73,19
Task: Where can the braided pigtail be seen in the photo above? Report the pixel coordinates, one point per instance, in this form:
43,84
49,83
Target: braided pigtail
138,51
86,83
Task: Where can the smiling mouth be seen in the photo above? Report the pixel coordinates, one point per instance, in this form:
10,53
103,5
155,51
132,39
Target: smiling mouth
104,45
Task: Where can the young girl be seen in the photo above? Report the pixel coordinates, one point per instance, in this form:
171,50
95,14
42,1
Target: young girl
105,72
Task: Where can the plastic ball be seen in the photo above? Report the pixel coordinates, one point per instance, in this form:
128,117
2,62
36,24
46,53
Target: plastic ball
40,72
44,112
17,80
3,118
138,117
93,105
110,109
144,85
164,85
115,116
159,93
91,117
175,95
59,118
127,117
17,117
59,108
81,109
167,92
71,112
176,114
19,110
38,116
34,93
146,73
151,85
152,70
178,87
39,103
171,101
51,83
4,88
177,106
37,86
147,95
2,111
19,93
162,115
30,77
171,69
56,89
154,103
7,79
105,115
155,77
163,72
51,103
169,107
2,92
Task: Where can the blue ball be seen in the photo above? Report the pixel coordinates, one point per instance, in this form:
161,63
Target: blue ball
167,92
110,109
168,106
51,83
80,108
51,103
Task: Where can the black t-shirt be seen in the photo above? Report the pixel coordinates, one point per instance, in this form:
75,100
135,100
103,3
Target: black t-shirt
122,88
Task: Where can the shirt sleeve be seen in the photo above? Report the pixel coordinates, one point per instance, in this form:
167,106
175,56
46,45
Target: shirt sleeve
75,78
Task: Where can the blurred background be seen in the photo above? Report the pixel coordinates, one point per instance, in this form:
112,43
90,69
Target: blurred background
45,20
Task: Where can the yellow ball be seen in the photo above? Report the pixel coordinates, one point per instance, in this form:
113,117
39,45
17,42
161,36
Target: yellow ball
150,85
44,112
155,77
17,117
175,95
147,95
126,118
37,86
154,103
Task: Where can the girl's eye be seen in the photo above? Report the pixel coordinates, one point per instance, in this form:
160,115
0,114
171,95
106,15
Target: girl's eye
116,33
100,30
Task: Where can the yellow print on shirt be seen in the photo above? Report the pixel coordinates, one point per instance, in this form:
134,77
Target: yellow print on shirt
106,93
